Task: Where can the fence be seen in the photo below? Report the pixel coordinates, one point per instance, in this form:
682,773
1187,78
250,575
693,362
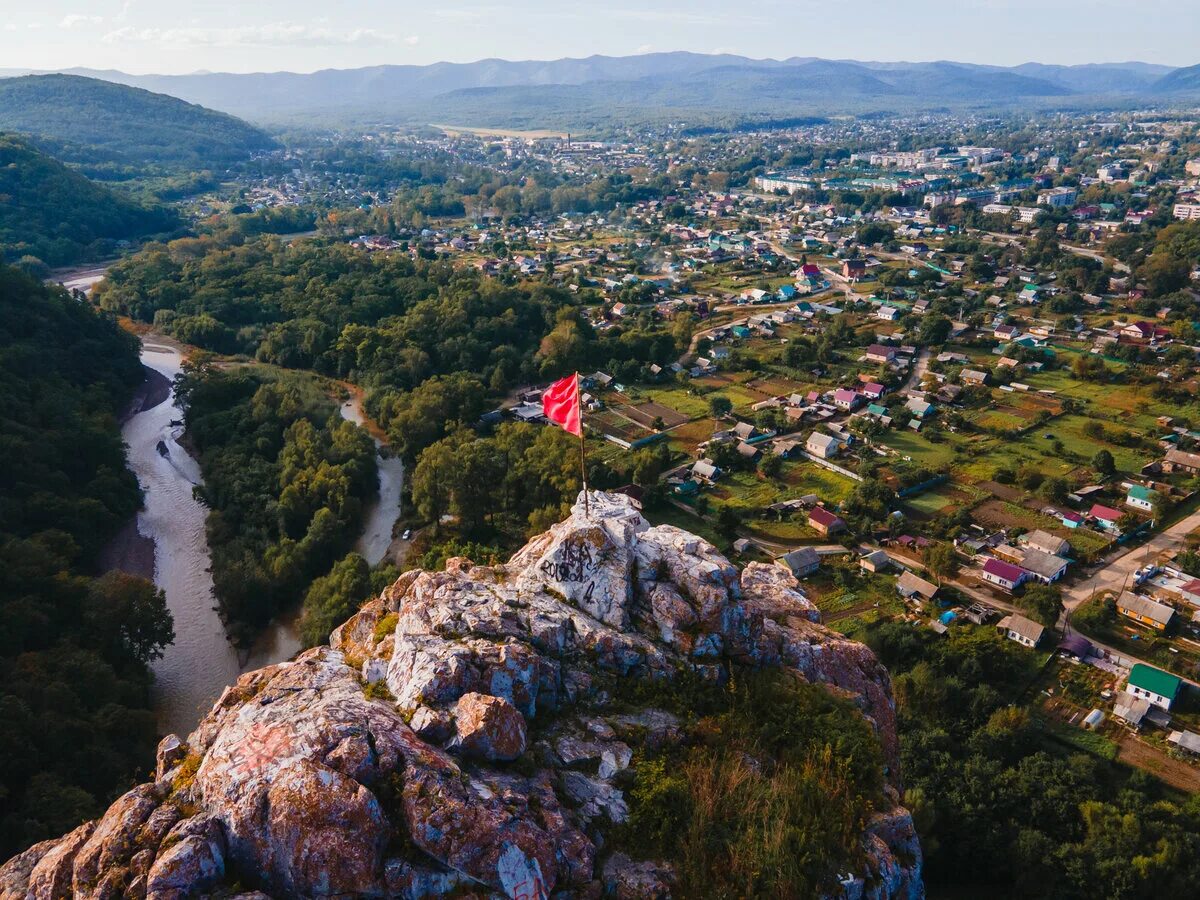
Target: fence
832,467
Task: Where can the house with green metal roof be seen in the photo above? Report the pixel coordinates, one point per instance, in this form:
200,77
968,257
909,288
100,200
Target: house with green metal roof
1140,497
1153,685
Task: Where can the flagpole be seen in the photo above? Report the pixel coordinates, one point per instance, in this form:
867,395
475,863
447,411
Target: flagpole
582,448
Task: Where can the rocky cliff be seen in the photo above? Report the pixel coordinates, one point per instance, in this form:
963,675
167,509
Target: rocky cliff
459,735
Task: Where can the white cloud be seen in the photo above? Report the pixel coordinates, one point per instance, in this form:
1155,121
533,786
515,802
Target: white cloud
412,40
278,34
75,20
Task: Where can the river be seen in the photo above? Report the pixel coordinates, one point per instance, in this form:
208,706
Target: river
384,510
201,662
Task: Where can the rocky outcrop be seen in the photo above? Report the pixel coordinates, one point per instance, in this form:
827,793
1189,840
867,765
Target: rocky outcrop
470,748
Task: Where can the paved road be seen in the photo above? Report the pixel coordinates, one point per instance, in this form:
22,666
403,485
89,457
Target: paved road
1117,571
920,367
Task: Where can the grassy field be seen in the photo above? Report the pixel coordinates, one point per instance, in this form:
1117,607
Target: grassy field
910,443
746,492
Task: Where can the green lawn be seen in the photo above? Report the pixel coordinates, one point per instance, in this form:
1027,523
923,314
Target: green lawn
746,492
909,443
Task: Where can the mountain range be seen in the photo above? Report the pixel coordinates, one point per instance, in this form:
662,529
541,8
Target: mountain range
597,89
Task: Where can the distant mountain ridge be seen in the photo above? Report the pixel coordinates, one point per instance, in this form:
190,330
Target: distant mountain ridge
605,87
92,120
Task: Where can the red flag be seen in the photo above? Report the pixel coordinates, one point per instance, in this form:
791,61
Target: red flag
560,403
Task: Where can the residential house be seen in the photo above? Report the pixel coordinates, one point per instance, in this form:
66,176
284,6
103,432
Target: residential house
1004,575
1153,685
1046,542
1181,461
878,353
825,522
1006,332
876,561
854,269
748,451
1143,332
973,376
1140,498
919,408
1024,631
1045,567
744,430
1145,611
824,446
844,399
909,586
800,562
887,313
1106,517
705,470
873,391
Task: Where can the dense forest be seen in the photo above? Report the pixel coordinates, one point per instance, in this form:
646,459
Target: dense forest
1006,810
285,479
84,120
435,344
75,720
51,214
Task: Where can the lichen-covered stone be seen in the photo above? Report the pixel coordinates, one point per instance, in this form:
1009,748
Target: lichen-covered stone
489,728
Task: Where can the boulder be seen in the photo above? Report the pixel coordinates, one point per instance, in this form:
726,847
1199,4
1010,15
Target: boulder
51,877
489,727
193,861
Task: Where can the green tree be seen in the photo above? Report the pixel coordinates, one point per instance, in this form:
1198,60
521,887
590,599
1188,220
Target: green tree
942,560
1103,464
1043,602
333,598
719,406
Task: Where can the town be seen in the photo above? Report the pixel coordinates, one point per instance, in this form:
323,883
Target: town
957,373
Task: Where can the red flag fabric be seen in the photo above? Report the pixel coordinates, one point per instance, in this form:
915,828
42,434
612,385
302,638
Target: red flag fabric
560,403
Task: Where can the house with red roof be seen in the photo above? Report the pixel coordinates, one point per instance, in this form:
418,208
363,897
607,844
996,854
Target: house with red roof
1106,517
825,522
1004,575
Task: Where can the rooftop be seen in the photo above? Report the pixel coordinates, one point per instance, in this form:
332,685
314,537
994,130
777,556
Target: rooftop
1156,681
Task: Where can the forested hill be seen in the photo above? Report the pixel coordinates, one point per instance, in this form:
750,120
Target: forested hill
75,720
54,213
93,121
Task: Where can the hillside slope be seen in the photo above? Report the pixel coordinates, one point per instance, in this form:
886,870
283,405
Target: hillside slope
616,710
89,120
1181,81
52,212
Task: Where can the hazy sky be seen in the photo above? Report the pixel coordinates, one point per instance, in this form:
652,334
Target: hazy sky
143,36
